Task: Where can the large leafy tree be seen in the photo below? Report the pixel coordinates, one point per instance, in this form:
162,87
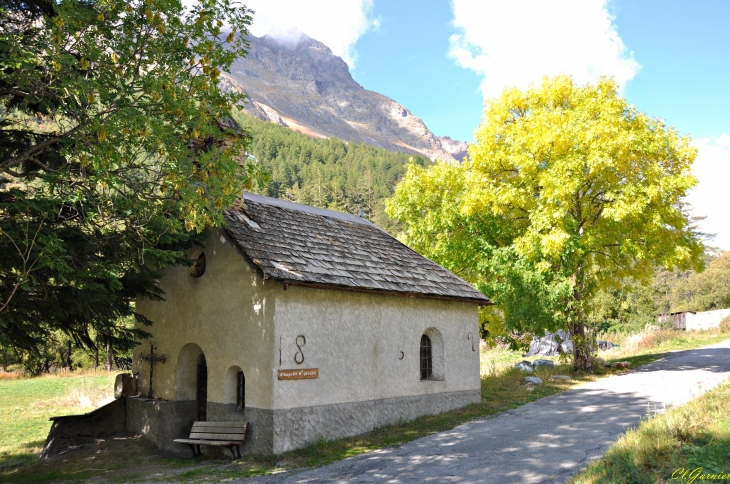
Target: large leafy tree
116,147
568,190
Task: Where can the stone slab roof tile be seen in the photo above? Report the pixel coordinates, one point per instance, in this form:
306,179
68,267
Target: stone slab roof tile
314,246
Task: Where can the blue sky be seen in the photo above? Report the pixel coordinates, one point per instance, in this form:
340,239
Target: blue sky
683,49
442,59
406,59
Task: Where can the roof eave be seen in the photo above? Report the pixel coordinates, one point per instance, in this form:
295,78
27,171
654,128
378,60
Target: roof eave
415,295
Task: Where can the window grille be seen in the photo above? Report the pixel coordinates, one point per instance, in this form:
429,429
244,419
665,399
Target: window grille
202,393
241,392
426,368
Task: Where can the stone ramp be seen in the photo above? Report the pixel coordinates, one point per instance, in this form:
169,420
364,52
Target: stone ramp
546,441
71,432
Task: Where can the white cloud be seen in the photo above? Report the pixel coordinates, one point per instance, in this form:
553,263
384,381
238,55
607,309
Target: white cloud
336,23
517,42
711,197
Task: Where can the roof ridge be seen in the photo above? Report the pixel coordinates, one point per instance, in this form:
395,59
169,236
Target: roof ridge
277,202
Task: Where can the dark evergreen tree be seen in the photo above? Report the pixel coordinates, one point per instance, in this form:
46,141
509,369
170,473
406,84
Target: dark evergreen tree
115,150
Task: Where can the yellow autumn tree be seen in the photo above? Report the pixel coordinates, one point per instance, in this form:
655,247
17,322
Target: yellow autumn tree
567,190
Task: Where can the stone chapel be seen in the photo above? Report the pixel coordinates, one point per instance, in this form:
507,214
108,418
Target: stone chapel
307,323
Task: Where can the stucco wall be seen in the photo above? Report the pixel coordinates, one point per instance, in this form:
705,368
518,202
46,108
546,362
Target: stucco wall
367,350
356,341
227,312
705,319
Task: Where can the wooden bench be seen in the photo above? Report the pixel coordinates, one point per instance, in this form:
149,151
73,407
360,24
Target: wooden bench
218,434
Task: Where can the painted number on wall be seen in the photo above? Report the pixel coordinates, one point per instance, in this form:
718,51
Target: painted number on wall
299,355
474,341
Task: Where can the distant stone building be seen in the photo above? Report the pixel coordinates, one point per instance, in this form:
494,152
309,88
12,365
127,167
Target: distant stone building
309,324
695,321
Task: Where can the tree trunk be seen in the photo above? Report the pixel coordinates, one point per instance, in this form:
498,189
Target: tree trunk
69,361
582,357
96,356
5,360
582,348
108,355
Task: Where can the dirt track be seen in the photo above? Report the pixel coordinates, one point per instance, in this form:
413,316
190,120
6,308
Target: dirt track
546,441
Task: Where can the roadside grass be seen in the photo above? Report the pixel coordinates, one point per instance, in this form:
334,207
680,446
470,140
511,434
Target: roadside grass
25,408
682,444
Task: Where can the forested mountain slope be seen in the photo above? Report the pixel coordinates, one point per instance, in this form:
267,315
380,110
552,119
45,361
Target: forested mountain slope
327,173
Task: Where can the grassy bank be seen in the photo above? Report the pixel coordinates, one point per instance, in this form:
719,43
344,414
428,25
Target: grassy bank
25,408
27,404
680,445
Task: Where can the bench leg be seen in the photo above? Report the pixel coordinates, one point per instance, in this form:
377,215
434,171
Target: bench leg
235,451
192,447
198,446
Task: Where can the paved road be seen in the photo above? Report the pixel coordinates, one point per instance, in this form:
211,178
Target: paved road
546,441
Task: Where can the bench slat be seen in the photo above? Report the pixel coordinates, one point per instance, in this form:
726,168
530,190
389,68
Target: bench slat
217,443
219,424
218,430
205,436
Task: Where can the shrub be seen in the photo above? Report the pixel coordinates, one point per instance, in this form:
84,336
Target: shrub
11,375
724,326
647,338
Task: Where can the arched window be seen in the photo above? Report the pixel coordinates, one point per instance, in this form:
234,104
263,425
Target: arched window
235,389
198,268
426,360
240,391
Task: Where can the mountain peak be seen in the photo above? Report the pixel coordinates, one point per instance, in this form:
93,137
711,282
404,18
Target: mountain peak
293,38
295,80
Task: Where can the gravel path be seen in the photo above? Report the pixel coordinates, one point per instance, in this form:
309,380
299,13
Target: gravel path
545,441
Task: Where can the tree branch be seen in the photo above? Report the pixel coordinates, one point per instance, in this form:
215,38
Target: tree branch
25,257
14,92
35,149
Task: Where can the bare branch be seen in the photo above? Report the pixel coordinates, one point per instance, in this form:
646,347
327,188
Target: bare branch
14,92
25,257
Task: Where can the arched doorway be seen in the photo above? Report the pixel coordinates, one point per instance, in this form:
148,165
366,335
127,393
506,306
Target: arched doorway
202,388
192,381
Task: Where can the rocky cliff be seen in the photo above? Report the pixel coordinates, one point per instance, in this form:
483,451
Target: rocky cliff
304,86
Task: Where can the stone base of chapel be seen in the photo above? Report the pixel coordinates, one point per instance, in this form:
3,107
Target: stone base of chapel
163,421
282,430
296,427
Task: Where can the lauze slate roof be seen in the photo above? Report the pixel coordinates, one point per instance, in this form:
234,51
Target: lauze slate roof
311,246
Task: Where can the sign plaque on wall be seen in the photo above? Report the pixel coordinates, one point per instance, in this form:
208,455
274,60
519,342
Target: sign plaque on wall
299,374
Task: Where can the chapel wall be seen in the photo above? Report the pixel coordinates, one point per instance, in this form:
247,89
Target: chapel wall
356,340
227,312
366,349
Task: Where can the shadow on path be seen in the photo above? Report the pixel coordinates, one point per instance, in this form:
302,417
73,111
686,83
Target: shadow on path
545,441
